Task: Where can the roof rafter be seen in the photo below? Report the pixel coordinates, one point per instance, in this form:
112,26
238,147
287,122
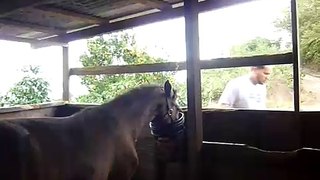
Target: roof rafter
75,15
137,21
155,3
14,5
36,27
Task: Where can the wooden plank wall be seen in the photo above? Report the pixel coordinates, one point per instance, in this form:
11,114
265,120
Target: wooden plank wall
276,145
267,130
48,112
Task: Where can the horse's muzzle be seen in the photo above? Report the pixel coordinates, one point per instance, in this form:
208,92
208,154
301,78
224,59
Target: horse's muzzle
168,130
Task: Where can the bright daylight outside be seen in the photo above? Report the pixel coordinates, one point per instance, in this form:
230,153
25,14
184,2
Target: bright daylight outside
31,76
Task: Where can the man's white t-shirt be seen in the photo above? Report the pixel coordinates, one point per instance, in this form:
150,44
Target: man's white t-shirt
242,93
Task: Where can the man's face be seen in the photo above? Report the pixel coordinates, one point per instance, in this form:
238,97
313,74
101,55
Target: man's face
262,74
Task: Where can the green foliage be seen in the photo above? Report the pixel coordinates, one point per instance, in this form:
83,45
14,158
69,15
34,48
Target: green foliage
30,90
214,81
309,30
263,46
121,49
116,49
257,46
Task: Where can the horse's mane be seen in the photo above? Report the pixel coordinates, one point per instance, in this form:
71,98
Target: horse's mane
132,99
142,91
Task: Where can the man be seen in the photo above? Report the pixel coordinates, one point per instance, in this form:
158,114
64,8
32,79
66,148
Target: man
248,91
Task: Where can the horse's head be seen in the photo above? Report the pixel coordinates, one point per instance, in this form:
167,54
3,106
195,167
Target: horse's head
169,119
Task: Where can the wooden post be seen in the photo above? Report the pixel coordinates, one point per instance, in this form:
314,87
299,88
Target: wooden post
194,114
295,55
65,69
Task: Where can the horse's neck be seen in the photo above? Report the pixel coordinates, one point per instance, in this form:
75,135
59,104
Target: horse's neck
133,110
137,112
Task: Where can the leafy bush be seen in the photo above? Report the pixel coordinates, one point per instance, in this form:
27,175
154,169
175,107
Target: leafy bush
116,49
30,90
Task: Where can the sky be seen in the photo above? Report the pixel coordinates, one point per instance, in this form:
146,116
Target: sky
219,30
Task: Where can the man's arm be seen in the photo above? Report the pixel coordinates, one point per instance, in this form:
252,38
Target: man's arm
228,96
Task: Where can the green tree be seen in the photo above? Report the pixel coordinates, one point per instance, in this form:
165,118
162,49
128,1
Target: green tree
309,30
30,90
214,81
263,46
116,49
256,46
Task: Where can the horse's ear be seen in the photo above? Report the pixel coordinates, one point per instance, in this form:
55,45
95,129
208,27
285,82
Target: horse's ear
167,88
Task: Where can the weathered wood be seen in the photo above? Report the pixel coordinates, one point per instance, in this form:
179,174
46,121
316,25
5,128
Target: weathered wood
279,155
310,125
239,162
43,112
170,13
275,59
268,130
194,105
8,6
217,4
159,4
295,55
20,108
128,69
66,76
19,39
177,66
36,110
34,27
74,15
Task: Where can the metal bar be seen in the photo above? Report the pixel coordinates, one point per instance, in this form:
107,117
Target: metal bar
295,55
65,69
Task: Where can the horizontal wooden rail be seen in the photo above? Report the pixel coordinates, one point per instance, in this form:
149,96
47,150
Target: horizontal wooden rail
285,58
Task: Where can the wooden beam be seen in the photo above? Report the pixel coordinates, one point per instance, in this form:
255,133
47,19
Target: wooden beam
194,105
142,20
296,55
177,66
65,69
218,4
129,69
27,40
275,59
47,44
159,4
74,15
9,6
35,27
17,39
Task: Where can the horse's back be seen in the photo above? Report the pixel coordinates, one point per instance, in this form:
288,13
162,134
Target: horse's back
14,149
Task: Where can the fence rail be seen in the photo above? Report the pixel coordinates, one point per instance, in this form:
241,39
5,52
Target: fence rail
276,59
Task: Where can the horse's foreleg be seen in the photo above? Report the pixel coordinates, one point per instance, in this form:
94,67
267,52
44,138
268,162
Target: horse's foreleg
126,163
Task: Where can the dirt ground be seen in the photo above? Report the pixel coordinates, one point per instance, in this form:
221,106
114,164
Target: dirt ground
281,96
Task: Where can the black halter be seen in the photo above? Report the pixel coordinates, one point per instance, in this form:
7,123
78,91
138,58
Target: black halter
176,125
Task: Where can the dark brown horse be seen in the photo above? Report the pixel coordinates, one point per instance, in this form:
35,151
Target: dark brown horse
94,144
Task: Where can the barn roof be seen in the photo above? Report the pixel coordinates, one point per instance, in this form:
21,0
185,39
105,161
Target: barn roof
56,22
